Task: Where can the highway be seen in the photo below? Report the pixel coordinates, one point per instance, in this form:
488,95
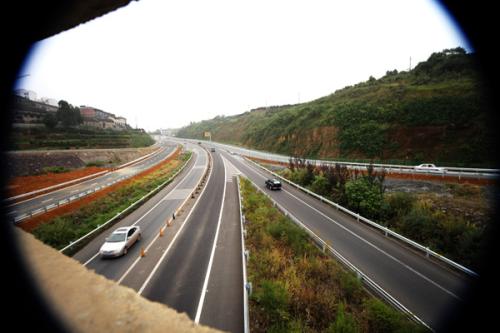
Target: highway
451,173
195,267
20,210
428,289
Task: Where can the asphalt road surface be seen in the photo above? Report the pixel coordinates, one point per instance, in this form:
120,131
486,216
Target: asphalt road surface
44,200
196,266
430,290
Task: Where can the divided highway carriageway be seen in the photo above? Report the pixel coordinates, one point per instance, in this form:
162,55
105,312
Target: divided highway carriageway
428,289
42,203
194,265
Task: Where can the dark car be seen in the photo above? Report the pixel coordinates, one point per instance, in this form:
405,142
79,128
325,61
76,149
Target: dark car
273,184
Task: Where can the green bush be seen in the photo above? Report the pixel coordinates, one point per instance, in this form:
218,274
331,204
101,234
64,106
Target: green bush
56,169
291,235
383,319
320,185
344,322
398,204
273,298
364,197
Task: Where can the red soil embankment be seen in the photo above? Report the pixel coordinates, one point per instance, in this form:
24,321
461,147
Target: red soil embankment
30,224
26,184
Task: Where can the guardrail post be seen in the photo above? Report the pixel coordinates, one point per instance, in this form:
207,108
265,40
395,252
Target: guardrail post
427,252
247,254
357,217
249,288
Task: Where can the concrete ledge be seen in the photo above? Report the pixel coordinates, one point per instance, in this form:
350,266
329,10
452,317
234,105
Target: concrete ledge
88,302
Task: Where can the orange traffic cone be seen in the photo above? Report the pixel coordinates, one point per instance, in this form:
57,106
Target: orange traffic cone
143,253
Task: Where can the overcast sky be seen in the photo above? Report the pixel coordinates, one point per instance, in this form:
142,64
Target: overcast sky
163,64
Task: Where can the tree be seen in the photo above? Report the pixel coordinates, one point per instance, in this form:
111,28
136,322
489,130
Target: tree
50,121
68,115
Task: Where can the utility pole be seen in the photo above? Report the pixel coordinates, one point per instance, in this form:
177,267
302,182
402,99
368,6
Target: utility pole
410,66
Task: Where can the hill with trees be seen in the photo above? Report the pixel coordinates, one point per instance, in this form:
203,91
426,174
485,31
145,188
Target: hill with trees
435,112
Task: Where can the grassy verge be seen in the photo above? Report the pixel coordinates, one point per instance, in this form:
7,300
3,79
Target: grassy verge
297,288
62,229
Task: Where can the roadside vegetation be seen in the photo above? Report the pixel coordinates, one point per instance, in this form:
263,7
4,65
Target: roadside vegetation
77,138
453,225
297,288
61,230
434,113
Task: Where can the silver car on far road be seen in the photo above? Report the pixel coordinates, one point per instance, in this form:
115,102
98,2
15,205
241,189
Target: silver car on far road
120,241
427,167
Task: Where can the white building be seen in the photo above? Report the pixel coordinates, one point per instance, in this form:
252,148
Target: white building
49,101
29,94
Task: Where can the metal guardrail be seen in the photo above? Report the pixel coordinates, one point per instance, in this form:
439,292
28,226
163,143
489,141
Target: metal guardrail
119,214
19,218
247,287
81,179
325,247
399,168
388,232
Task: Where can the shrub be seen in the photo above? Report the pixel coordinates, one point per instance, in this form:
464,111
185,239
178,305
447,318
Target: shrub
364,197
400,203
291,235
383,319
273,298
344,322
320,185
55,169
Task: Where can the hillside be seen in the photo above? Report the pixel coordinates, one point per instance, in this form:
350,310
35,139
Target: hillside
435,112
74,138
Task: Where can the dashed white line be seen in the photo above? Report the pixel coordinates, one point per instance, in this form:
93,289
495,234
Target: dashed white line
210,262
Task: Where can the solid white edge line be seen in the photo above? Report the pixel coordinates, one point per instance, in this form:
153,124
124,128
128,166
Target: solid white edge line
210,262
149,211
372,245
154,239
175,237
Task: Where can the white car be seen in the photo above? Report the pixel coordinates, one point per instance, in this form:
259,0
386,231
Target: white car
120,241
427,167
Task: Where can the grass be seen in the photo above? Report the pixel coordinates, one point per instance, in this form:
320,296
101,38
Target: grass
297,288
64,229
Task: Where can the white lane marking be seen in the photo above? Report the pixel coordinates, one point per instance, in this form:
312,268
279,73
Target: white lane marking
174,239
45,201
373,245
149,211
152,242
210,262
86,263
